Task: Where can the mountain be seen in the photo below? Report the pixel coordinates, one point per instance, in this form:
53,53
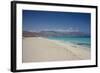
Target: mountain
30,34
52,33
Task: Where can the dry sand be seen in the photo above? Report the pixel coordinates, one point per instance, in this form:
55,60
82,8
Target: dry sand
38,49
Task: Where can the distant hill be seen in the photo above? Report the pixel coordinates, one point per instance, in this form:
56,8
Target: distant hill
30,34
52,33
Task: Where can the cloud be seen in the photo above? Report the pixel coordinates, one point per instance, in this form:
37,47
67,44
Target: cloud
70,29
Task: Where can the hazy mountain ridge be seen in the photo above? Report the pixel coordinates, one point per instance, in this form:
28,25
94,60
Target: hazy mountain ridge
53,33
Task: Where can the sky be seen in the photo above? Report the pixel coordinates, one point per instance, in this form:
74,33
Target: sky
36,21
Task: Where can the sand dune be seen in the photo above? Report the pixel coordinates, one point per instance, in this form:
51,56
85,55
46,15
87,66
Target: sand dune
38,49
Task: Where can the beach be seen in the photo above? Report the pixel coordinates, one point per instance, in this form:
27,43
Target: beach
40,49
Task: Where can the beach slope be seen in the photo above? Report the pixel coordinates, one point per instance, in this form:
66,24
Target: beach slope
39,49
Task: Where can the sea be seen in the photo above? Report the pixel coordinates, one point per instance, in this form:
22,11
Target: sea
79,40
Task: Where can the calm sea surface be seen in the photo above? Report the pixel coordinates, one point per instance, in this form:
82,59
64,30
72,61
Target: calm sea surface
79,40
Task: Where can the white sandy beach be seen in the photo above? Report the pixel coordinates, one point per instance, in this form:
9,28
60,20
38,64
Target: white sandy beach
38,49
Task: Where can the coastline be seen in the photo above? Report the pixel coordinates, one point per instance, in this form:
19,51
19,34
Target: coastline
40,49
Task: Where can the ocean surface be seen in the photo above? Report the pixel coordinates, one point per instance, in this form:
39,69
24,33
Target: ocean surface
79,40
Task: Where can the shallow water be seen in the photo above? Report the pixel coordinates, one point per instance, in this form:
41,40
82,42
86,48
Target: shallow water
79,40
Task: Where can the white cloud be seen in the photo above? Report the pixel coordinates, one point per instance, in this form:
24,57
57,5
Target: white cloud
70,29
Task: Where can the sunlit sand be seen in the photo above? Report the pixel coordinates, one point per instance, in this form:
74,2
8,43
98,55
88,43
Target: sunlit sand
39,49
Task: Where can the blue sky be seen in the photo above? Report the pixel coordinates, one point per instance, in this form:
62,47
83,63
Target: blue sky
56,21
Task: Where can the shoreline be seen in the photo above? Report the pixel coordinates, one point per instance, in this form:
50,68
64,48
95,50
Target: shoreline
40,49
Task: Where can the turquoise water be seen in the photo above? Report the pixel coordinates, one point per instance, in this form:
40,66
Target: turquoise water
79,40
